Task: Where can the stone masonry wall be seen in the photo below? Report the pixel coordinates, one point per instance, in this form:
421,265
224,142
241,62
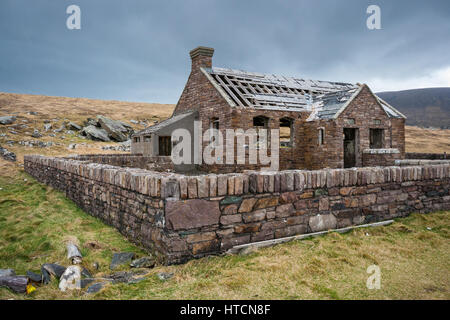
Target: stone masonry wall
156,163
183,217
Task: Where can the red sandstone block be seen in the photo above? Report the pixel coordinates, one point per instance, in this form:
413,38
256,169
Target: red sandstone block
203,186
212,185
230,182
284,210
192,188
222,181
189,214
228,243
238,185
254,216
230,219
183,181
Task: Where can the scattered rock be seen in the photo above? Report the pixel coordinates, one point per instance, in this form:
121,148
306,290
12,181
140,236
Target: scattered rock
15,283
163,276
47,126
71,279
13,132
120,259
7,119
73,253
74,126
7,273
7,155
144,262
70,132
123,146
95,133
121,277
54,269
134,121
114,128
35,277
84,282
95,265
96,287
72,146
37,143
91,122
45,276
36,134
32,113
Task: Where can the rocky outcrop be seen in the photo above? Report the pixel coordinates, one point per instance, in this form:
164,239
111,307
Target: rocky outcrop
115,129
7,119
95,133
7,155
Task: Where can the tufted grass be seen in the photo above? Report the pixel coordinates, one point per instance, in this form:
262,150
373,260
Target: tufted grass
35,220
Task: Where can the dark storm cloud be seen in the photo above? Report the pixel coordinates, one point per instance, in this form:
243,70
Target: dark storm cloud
138,50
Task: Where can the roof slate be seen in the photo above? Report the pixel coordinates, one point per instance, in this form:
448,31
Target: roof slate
273,92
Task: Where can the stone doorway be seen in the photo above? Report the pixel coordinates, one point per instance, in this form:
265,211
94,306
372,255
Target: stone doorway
350,147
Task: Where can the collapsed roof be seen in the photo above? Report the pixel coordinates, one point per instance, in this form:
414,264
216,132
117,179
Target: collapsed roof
272,92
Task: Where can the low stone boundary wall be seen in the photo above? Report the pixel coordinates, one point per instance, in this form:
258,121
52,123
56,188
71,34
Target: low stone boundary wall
183,217
380,157
157,163
415,162
429,156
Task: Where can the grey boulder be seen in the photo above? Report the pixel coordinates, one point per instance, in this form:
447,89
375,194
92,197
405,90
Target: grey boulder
96,287
74,126
144,262
53,269
7,119
114,128
120,259
95,133
70,279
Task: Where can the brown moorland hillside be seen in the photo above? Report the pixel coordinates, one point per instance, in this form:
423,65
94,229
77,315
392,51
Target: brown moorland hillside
33,110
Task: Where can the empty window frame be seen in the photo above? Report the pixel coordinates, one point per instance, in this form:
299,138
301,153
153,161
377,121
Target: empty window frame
262,122
214,124
286,132
137,139
147,138
321,136
165,146
376,138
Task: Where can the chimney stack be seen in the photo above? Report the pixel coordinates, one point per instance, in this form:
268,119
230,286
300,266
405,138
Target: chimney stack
201,57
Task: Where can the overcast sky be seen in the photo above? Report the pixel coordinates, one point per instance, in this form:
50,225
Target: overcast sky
138,50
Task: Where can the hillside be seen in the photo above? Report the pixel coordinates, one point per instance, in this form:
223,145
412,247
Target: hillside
428,107
32,111
329,267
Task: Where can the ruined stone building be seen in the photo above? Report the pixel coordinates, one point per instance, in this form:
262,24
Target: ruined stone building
326,124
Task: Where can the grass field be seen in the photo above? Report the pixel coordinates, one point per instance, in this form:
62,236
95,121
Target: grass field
35,221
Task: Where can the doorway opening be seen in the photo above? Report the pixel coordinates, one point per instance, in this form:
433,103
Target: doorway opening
350,147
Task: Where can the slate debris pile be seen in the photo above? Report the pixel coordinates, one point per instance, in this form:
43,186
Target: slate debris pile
77,277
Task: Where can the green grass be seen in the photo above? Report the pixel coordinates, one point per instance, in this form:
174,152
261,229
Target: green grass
35,220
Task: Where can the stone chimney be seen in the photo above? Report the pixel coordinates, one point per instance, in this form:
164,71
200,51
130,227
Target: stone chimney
201,57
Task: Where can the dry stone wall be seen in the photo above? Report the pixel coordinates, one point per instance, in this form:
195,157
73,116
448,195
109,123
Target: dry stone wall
182,217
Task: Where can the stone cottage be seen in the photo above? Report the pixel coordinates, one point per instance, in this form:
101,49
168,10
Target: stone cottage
324,124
